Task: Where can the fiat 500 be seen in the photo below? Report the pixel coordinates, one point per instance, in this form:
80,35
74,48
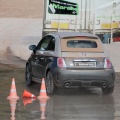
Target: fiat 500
66,59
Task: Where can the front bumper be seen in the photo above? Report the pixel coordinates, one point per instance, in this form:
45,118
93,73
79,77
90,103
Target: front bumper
83,78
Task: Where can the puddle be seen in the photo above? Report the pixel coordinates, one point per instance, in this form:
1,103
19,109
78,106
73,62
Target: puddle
72,104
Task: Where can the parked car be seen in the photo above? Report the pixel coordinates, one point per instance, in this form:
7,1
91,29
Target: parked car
68,59
116,37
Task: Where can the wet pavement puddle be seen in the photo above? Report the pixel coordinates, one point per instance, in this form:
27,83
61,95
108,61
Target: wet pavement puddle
65,104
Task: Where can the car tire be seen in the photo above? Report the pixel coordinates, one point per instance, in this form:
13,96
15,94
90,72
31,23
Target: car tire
50,86
28,75
108,90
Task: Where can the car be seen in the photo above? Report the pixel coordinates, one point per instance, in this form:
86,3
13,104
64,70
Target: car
116,36
116,39
68,59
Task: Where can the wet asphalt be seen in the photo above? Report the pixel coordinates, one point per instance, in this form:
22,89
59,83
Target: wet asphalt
65,104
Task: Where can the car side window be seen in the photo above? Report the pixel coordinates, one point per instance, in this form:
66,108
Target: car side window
51,46
44,43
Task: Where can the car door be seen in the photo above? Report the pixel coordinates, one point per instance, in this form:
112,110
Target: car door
48,54
40,57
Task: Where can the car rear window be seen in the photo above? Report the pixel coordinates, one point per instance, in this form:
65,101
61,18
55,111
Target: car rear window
81,44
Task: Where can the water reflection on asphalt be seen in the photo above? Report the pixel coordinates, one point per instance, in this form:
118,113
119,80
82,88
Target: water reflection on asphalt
65,104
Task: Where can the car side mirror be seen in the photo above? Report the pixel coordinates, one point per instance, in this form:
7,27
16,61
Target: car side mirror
32,47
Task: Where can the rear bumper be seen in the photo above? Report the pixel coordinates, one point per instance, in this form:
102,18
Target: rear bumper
83,78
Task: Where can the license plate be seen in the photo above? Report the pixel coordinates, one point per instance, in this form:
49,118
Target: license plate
85,64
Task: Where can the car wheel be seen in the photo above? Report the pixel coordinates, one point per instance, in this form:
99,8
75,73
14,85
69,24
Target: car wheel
108,90
50,87
28,75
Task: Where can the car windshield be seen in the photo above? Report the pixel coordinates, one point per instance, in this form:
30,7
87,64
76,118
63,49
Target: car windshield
81,44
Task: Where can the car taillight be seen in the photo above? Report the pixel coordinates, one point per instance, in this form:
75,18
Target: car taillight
107,63
61,62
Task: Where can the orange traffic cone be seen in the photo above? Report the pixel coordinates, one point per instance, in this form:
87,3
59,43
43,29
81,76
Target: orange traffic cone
28,101
43,93
43,103
27,94
13,93
13,107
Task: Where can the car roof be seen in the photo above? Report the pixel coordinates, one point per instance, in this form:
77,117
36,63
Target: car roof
73,34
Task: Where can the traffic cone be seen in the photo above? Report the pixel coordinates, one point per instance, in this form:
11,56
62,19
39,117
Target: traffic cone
43,102
27,94
13,93
28,101
43,93
13,103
